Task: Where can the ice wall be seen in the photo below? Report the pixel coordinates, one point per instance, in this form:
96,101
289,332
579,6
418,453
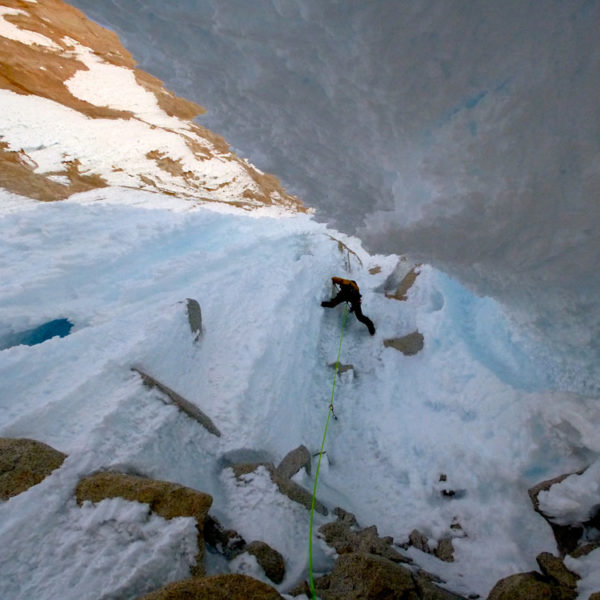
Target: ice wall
466,134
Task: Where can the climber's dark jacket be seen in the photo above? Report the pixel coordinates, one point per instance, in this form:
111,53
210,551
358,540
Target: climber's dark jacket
349,292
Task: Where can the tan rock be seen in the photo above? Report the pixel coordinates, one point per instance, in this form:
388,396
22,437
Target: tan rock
216,587
409,345
366,577
293,461
445,550
269,559
522,586
24,463
407,282
555,569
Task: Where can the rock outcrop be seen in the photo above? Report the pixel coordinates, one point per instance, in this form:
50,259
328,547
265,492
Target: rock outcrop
293,461
370,567
227,542
569,537
216,587
555,582
269,559
409,345
346,537
281,478
230,544
363,576
169,500
444,549
191,410
24,463
194,317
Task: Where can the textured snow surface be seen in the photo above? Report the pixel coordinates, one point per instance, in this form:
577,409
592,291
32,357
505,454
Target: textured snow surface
475,404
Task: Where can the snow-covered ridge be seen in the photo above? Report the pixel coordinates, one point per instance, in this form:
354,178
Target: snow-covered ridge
75,114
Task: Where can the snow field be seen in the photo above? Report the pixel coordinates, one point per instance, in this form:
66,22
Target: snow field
473,404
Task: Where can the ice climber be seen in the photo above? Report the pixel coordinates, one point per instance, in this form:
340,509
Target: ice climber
349,292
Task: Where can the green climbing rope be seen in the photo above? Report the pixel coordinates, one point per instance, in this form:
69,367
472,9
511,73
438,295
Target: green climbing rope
314,495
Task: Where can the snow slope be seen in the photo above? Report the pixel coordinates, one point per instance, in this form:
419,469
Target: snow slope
483,403
474,404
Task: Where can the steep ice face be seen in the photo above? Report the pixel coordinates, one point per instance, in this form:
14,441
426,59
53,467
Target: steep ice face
475,404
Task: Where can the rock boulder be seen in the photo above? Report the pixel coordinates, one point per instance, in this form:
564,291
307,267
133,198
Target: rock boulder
24,463
216,587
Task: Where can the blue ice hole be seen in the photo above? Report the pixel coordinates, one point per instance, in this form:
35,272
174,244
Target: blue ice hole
37,335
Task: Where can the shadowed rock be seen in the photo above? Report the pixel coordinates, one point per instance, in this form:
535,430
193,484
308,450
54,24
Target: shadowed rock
554,568
24,463
227,542
216,587
522,586
167,499
269,559
194,317
293,461
444,549
409,344
184,405
555,583
363,576
567,536
345,536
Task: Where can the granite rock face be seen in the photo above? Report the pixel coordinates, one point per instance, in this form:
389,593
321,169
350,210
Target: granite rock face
216,587
409,345
24,463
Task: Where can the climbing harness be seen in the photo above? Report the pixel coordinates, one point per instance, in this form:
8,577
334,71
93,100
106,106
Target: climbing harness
330,413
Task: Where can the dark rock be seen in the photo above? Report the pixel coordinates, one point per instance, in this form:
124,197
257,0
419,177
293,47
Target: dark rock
585,549
227,542
300,589
345,516
419,541
409,344
522,586
216,587
366,577
293,461
554,568
24,463
567,537
169,500
194,317
346,538
191,410
269,559
595,596
445,550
